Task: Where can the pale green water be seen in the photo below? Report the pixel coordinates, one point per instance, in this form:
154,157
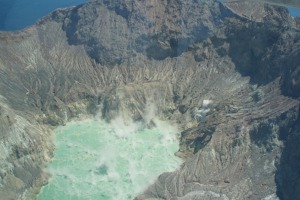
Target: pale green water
100,161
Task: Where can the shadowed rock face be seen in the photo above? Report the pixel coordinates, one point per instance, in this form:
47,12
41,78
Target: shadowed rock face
118,57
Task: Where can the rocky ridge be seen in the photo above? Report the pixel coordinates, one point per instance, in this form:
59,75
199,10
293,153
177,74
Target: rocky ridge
229,81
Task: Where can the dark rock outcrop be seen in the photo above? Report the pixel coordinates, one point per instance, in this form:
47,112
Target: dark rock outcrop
229,81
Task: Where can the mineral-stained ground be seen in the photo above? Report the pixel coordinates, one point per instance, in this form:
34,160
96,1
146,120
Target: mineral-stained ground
229,78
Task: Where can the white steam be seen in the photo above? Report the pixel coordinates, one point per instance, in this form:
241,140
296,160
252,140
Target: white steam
199,114
116,160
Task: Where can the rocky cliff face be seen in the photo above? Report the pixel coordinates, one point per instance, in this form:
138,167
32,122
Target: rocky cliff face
231,82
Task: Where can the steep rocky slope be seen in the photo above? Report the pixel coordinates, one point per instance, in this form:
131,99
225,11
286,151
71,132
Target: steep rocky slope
230,82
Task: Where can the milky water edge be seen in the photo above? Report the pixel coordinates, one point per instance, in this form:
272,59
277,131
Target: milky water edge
95,160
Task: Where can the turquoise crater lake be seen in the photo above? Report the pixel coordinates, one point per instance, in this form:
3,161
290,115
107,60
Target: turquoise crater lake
95,160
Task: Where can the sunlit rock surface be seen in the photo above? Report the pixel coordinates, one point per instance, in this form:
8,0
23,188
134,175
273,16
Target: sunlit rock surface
118,58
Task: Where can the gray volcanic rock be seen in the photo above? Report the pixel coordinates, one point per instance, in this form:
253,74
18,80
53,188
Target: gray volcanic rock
25,148
288,171
123,28
230,82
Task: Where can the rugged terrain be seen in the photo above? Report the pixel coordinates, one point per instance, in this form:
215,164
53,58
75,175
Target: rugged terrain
230,80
